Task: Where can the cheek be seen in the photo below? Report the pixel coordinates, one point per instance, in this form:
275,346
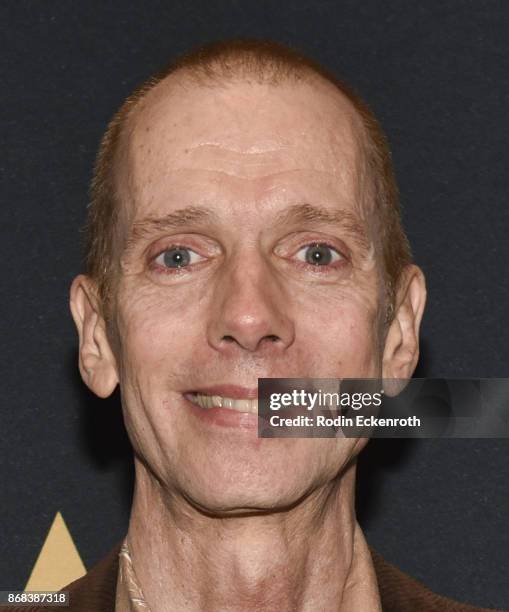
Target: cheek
156,327
343,330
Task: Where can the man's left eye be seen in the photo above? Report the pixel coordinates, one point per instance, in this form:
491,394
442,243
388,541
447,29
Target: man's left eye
178,257
318,254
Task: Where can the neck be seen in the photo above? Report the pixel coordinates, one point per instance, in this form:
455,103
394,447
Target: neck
312,556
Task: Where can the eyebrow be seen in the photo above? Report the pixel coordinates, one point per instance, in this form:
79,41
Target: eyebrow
318,215
296,214
182,217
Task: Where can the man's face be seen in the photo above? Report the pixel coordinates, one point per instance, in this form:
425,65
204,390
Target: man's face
248,255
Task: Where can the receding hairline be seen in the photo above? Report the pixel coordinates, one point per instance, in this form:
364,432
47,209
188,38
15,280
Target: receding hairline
223,64
186,78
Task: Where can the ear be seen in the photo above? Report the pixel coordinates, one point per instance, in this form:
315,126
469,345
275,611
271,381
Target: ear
401,350
97,362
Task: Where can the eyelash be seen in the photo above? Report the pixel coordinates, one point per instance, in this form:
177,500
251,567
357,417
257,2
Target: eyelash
324,269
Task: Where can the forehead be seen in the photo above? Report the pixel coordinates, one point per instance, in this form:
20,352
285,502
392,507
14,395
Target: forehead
303,134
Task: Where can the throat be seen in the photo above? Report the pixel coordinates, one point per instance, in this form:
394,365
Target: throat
312,557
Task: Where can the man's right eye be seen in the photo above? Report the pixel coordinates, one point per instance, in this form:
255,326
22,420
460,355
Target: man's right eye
177,257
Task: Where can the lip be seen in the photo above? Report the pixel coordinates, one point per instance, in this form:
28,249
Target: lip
233,391
224,417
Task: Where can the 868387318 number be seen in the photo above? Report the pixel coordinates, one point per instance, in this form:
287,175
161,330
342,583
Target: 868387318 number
29,598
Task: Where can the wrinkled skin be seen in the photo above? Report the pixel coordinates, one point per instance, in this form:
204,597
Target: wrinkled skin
259,159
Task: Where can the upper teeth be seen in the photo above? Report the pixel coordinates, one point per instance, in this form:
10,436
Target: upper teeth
212,401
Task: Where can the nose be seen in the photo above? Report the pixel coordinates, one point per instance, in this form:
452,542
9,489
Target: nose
250,311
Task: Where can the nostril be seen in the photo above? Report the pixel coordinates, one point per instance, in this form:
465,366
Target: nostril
273,338
229,338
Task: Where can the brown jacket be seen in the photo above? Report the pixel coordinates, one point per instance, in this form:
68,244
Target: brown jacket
95,592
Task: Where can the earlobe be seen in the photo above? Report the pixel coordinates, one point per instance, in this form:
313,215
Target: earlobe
401,351
97,362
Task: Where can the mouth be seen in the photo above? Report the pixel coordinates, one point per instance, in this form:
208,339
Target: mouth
208,401
225,405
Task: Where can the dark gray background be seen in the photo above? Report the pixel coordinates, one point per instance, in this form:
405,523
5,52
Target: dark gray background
436,74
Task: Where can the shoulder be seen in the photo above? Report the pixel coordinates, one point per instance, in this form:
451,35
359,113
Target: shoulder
94,592
400,592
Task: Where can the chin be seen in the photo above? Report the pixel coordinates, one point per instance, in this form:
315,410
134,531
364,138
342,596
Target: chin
242,503
226,492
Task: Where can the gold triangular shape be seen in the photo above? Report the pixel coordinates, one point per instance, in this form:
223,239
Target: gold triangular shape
58,562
